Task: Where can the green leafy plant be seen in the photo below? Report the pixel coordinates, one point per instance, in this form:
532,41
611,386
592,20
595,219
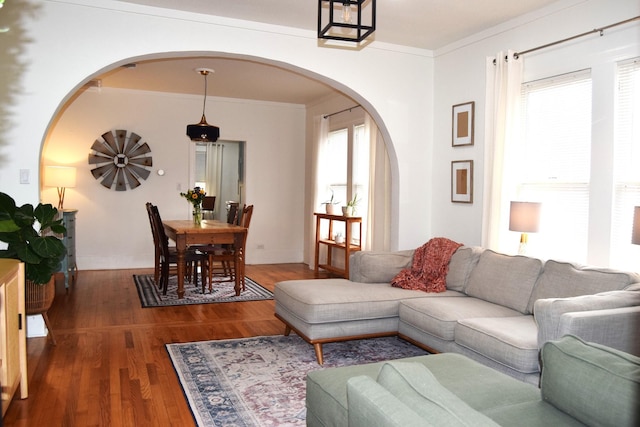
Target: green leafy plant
42,254
354,202
331,201
351,205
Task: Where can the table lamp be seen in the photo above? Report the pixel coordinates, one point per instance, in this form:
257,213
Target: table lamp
60,177
635,234
524,217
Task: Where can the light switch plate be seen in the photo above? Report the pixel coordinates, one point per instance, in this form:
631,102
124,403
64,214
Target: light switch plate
24,176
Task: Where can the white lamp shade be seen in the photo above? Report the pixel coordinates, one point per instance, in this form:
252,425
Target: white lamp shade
635,236
524,217
60,176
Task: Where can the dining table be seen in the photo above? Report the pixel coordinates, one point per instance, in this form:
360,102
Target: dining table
209,232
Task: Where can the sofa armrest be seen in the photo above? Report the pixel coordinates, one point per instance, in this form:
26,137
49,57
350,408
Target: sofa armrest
616,328
378,267
548,312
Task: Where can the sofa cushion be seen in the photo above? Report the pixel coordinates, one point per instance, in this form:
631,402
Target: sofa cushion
336,300
505,280
371,405
378,267
595,384
563,280
414,385
461,264
439,316
509,341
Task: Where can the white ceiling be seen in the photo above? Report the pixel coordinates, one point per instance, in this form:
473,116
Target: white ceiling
426,24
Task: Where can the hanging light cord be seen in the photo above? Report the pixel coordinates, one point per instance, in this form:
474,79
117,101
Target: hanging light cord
204,102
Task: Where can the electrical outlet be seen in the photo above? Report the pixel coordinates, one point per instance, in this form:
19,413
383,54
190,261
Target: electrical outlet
260,246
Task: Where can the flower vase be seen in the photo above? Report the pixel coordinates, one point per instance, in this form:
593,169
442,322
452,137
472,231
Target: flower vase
197,214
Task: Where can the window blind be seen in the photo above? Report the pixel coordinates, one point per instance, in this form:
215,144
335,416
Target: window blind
626,164
555,160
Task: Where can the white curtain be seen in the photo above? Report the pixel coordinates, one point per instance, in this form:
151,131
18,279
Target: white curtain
213,174
321,177
377,223
504,81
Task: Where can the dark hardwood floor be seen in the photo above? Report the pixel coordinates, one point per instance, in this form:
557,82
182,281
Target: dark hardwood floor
110,366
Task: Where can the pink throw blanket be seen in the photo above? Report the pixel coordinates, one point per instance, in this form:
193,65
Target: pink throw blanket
430,266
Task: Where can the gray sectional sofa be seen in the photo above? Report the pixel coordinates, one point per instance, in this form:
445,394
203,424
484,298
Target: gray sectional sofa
582,384
498,309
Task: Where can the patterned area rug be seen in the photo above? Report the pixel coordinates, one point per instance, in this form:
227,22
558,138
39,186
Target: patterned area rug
261,381
151,296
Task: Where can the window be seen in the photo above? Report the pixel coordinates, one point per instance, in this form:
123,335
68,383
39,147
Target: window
627,164
348,161
347,164
555,162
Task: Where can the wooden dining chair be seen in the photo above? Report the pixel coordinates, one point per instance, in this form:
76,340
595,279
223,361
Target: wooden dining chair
167,255
156,246
208,206
222,258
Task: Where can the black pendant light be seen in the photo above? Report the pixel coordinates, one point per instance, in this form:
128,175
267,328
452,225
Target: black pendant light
203,131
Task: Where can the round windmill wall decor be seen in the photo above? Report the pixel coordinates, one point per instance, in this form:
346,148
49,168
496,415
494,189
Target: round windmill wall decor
121,160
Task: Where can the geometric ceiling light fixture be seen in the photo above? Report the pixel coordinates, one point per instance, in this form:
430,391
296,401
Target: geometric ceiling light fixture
203,131
346,20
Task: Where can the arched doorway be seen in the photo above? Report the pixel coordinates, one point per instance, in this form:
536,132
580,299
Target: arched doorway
153,103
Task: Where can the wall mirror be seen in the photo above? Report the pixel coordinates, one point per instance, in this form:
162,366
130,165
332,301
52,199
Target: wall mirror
220,171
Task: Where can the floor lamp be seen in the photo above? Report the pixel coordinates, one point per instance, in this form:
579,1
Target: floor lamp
61,177
525,218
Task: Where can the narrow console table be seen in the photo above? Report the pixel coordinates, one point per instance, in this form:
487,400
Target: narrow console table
348,245
69,266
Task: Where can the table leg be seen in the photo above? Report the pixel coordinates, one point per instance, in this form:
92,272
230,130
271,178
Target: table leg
180,250
238,262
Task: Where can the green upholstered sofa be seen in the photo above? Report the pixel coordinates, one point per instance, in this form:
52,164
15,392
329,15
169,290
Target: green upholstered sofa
582,384
497,309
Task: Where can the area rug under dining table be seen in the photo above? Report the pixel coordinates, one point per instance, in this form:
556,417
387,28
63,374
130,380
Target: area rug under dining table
260,381
222,291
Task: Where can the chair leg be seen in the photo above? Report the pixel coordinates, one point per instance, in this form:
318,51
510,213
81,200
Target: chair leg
164,277
210,271
203,274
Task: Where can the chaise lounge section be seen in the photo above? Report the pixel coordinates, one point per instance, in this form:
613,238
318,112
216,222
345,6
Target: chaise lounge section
582,384
497,309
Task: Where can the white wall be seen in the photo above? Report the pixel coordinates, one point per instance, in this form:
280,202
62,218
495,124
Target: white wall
64,44
112,226
61,45
460,77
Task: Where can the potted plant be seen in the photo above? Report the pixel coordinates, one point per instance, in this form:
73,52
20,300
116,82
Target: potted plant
350,209
332,206
37,247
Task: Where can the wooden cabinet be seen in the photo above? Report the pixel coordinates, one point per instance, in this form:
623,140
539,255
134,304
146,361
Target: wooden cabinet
13,339
350,244
69,266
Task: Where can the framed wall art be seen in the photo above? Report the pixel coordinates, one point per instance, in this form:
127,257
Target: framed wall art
462,124
462,181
